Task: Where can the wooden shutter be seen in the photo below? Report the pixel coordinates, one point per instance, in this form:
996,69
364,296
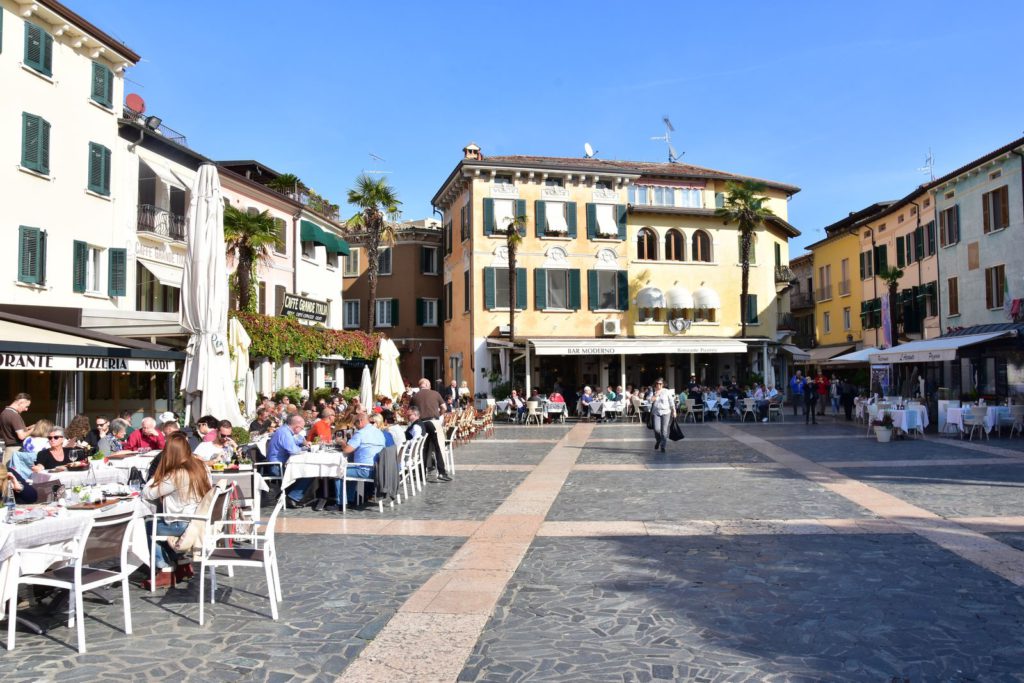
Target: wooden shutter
574,289
930,231
540,217
520,289
35,143
462,223
570,219
38,49
102,85
778,255
99,169
489,288
117,272
593,294
955,215
80,251
394,312
622,287
620,219
986,212
540,288
752,308
591,221
1,29
29,265
419,311
918,244
488,216
862,265
900,247
1003,206
521,213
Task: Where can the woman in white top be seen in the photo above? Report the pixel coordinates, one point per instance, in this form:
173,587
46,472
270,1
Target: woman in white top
179,483
663,412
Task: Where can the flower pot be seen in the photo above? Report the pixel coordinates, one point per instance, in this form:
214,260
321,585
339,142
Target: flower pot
883,434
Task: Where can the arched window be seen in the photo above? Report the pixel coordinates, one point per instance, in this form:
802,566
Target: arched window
646,245
674,246
701,248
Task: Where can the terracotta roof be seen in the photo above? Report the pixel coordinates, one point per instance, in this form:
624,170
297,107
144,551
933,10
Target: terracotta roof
1019,142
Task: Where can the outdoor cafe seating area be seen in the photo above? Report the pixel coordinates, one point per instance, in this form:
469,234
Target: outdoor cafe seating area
967,421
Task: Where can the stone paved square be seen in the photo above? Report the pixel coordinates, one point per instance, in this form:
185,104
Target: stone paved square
857,447
681,452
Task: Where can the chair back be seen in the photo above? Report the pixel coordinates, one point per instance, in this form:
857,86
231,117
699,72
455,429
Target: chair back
748,404
533,407
555,408
978,413
690,403
108,541
1017,413
272,521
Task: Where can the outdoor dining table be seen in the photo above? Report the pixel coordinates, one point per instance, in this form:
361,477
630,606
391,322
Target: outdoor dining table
993,415
909,419
308,465
97,474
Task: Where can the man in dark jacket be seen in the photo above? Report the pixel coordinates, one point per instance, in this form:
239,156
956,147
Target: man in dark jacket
810,394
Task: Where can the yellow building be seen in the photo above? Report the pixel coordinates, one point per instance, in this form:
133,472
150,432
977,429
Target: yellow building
623,274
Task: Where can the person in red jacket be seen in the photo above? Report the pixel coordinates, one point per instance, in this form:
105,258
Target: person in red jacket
822,383
149,438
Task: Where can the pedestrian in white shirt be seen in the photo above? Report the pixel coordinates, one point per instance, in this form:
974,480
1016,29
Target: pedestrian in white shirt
663,412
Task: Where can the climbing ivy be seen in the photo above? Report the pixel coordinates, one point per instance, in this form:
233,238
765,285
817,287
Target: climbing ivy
278,338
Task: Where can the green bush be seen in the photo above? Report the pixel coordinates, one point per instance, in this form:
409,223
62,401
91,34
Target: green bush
501,391
294,395
322,393
349,394
240,435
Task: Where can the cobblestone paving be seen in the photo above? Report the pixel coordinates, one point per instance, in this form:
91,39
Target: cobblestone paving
681,452
809,608
699,494
338,592
499,452
859,447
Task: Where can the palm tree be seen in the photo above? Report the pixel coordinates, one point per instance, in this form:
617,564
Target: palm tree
513,238
248,237
891,277
287,183
744,205
375,200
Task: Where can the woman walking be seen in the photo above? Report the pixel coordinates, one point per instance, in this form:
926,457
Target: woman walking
663,411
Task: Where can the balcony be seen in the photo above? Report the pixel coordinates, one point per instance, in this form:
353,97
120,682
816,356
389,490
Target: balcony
160,129
801,300
784,274
787,322
844,288
157,221
824,292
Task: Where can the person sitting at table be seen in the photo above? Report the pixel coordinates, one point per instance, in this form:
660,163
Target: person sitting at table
146,438
113,443
282,445
768,397
585,400
555,397
221,448
387,410
24,492
76,432
610,395
95,434
169,428
206,427
179,483
56,457
36,440
364,446
322,430
516,405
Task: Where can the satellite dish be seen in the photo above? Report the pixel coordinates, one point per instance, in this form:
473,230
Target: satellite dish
588,151
135,103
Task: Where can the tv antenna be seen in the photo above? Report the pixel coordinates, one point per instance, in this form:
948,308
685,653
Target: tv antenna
376,157
588,151
673,156
929,165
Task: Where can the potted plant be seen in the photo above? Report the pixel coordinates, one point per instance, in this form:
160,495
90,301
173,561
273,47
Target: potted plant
883,428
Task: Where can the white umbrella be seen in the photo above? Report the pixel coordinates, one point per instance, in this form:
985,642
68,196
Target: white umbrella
238,345
206,378
250,393
366,389
387,378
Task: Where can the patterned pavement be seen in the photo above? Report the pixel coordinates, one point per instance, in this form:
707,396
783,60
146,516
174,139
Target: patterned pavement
575,553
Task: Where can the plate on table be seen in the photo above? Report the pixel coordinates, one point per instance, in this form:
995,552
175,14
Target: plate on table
92,506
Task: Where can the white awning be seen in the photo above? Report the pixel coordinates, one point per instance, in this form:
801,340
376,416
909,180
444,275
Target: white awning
931,350
606,223
167,274
796,352
650,297
504,213
678,297
554,212
165,174
705,297
38,335
858,356
824,353
632,347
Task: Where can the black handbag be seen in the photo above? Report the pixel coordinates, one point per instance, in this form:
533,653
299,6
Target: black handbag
675,432
649,421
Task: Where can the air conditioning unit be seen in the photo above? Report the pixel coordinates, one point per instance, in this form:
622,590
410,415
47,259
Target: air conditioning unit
610,328
503,330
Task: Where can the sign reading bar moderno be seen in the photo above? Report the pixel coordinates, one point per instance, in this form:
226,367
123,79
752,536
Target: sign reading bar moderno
35,361
611,348
304,309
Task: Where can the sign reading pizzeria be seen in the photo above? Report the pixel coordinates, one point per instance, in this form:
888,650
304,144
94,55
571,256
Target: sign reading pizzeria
42,361
304,309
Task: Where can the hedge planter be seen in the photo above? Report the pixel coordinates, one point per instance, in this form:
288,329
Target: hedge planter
883,434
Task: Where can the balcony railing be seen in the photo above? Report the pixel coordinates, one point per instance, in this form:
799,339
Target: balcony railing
784,274
787,322
161,222
166,131
844,287
824,292
801,300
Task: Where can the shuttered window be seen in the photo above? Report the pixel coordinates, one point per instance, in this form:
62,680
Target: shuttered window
38,49
426,312
901,252
556,289
35,143
31,255
117,272
953,295
102,85
949,226
496,215
281,225
79,268
995,209
496,288
99,169
607,290
752,318
995,284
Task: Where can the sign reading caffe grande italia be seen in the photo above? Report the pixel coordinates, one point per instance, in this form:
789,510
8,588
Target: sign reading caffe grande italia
37,361
304,309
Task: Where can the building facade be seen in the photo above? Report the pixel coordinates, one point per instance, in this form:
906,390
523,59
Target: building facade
801,300
623,273
408,305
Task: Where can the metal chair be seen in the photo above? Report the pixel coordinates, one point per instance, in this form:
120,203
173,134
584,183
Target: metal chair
749,408
775,408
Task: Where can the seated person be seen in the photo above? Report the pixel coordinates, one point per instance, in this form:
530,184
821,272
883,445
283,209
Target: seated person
101,430
282,445
36,441
113,443
585,400
221,448
146,438
555,397
610,394
387,410
322,430
24,492
262,424
56,457
364,447
516,405
770,396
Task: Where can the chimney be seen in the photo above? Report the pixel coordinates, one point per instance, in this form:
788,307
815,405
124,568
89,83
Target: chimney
472,151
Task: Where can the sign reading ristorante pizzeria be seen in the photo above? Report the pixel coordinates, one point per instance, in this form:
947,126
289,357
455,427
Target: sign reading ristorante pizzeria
304,309
35,361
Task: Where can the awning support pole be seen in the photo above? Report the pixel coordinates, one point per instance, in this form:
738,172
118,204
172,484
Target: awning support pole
622,370
764,363
526,357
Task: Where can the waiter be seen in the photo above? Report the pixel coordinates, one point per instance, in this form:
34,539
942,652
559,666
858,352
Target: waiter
432,406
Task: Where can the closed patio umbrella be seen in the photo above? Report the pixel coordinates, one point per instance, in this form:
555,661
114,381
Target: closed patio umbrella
387,378
366,388
206,377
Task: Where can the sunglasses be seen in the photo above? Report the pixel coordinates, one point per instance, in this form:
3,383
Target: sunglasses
54,438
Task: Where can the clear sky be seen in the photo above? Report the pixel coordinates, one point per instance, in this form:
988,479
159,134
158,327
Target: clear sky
843,99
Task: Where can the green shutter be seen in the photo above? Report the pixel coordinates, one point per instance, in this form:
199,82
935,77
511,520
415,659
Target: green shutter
900,246
419,311
931,237
489,288
35,143
862,265
620,219
591,221
394,312
488,216
102,85
778,255
1,29
918,244
540,288
623,289
520,289
30,247
570,219
99,169
592,293
117,275
38,49
80,251
574,289
752,311
521,213
540,217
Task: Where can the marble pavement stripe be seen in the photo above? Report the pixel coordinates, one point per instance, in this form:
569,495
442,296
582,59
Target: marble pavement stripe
521,441
728,527
377,527
920,463
491,467
644,467
434,632
992,525
648,439
983,448
983,551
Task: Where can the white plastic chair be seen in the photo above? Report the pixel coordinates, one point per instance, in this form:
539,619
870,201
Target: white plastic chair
533,412
220,496
262,553
1017,417
749,408
872,413
974,419
775,408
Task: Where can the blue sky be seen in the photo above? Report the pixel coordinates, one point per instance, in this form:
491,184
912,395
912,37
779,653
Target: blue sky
841,99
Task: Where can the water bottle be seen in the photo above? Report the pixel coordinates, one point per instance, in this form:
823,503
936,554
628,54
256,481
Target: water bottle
10,502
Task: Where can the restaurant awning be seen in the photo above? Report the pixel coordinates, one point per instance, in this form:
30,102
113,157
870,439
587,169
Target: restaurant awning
165,174
932,350
340,246
614,347
824,353
311,232
169,275
858,356
796,352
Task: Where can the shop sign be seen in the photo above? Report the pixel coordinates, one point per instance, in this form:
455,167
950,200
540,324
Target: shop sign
304,309
38,361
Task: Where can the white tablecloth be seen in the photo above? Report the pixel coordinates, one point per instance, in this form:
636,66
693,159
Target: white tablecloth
955,416
309,465
103,475
910,419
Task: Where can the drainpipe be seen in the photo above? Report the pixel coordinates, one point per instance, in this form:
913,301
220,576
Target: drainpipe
295,252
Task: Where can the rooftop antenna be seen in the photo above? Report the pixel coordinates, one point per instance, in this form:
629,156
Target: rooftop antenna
929,165
588,151
376,157
673,156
